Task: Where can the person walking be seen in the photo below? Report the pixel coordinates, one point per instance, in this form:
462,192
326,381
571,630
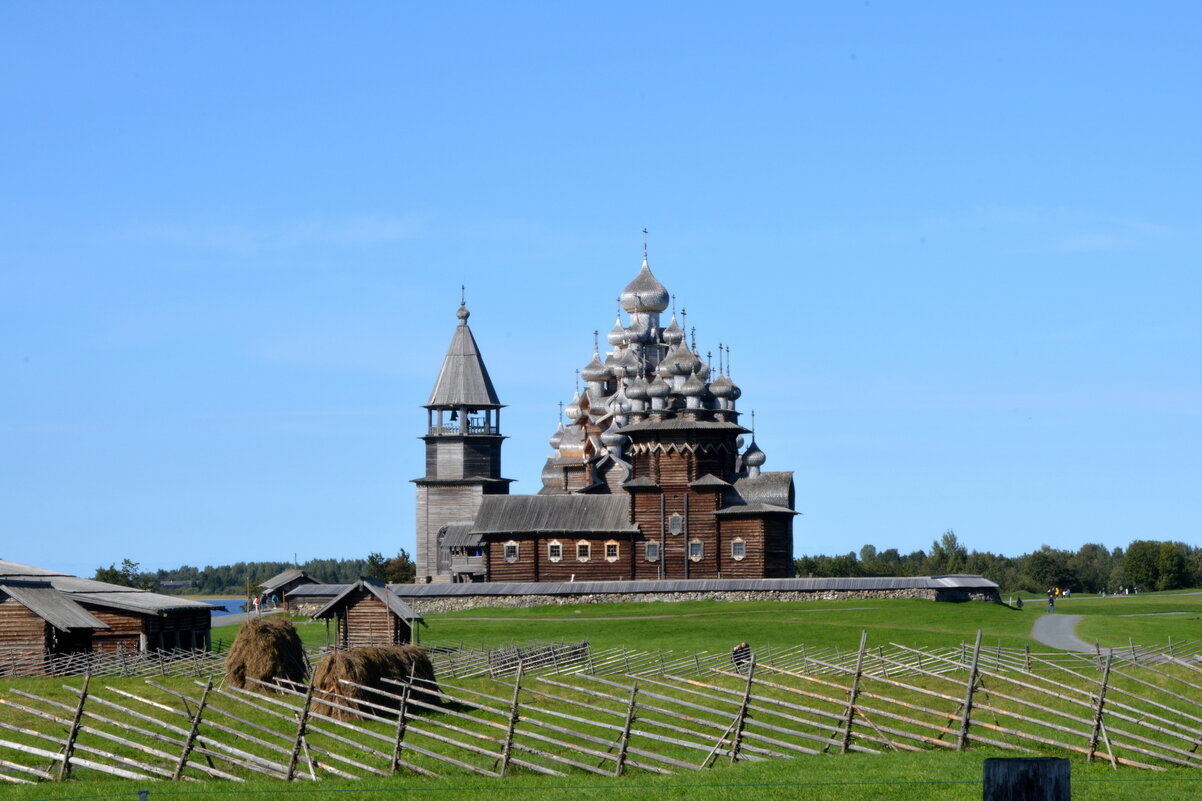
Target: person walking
1051,602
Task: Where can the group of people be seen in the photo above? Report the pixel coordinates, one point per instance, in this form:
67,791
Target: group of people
265,603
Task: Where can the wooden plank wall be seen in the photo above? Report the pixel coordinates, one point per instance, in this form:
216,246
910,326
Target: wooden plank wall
22,633
366,621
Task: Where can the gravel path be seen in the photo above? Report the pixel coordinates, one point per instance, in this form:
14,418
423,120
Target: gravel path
1059,631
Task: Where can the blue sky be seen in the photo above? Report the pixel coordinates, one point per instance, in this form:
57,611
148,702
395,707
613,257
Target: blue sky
954,247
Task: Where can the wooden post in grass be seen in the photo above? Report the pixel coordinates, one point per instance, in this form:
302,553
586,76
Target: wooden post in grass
399,739
513,720
1026,779
624,741
853,693
1027,660
1097,712
741,721
302,722
64,769
966,708
190,740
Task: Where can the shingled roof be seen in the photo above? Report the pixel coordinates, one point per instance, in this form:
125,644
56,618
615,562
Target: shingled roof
553,513
463,380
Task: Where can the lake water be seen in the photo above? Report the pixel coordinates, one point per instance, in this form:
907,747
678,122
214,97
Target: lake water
225,607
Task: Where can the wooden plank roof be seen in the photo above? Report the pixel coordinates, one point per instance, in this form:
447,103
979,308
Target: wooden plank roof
502,514
391,601
100,593
463,379
54,607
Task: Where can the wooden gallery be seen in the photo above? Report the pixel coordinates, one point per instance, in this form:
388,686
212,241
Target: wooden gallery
651,475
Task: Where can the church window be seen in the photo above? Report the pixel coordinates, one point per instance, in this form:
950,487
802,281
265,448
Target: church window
611,551
675,524
583,551
653,552
738,549
511,551
695,550
554,550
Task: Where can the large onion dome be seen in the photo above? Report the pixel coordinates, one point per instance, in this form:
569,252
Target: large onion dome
612,438
721,387
735,392
637,389
703,369
644,294
557,437
552,476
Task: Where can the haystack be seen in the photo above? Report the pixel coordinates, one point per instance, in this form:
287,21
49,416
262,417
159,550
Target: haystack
369,667
265,649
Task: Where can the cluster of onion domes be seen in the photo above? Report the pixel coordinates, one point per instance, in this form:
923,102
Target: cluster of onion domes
649,373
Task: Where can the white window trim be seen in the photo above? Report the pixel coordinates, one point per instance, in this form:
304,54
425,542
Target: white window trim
551,555
647,552
738,557
700,551
617,551
505,552
588,550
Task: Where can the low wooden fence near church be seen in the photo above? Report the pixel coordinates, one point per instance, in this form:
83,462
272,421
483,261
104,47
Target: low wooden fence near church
621,712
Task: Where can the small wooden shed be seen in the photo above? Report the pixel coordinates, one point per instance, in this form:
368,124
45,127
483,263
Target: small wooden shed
368,613
35,619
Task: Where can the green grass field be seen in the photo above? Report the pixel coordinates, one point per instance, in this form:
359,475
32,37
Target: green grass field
715,626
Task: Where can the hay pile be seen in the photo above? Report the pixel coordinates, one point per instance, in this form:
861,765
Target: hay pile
369,667
265,649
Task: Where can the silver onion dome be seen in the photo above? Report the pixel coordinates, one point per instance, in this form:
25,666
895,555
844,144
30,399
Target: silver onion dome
636,389
617,335
644,294
673,334
681,360
573,409
557,437
658,389
692,387
595,370
721,387
753,456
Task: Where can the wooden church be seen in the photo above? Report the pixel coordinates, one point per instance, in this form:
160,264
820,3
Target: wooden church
651,474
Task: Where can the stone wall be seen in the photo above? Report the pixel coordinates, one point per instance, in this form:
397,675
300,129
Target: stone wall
431,606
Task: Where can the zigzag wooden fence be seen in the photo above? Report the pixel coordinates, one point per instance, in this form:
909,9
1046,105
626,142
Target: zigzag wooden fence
632,711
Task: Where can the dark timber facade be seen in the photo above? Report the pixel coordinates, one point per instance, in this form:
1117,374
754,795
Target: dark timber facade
650,477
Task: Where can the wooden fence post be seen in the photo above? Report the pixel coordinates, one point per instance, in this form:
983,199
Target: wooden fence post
624,741
302,723
69,749
966,710
853,693
513,719
401,724
741,721
190,740
1097,713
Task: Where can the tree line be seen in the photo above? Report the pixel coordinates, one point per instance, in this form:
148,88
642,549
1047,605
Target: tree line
1144,565
234,579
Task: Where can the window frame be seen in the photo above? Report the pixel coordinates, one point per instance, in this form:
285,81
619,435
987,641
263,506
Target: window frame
510,552
696,550
617,551
738,549
554,551
647,556
584,550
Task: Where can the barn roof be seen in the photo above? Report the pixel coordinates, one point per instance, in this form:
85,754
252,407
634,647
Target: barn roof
502,514
100,593
51,605
772,488
394,604
463,379
280,579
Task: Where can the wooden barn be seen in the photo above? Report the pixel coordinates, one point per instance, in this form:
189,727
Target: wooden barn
367,613
651,475
45,611
279,585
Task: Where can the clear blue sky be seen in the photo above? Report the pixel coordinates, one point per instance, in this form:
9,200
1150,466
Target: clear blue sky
955,248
